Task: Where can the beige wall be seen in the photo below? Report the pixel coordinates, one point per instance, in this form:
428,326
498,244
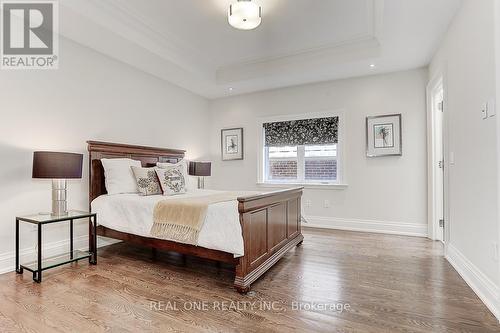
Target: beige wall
383,194
89,97
467,59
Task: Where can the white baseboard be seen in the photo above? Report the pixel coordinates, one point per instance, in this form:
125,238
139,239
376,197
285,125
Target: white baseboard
383,227
484,288
8,259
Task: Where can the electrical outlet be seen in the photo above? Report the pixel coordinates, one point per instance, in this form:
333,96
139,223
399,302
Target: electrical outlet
308,203
326,204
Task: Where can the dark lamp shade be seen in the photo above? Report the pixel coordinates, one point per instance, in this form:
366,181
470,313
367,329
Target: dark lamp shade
200,168
54,165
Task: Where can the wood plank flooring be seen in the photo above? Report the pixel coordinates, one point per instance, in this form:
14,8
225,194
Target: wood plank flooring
381,283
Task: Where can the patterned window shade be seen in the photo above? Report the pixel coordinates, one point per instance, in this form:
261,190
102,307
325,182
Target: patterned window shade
315,131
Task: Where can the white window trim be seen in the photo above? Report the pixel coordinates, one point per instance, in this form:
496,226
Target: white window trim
340,183
329,186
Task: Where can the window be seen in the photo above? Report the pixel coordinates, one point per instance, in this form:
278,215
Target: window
320,163
301,151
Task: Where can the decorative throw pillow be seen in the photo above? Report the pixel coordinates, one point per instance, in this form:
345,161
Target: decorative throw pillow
147,181
119,177
164,165
173,178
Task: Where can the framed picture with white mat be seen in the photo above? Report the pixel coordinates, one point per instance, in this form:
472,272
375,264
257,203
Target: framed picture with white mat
384,136
232,144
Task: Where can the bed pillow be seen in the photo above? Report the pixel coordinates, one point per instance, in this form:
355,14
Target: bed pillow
118,174
164,165
147,181
191,181
173,178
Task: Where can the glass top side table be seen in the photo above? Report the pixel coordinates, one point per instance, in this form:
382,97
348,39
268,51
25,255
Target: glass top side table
40,265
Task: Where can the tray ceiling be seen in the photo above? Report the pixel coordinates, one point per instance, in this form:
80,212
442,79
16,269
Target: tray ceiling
190,43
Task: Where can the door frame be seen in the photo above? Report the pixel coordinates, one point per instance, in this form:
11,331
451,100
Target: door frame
433,224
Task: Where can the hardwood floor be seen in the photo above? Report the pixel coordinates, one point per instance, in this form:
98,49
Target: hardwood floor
383,284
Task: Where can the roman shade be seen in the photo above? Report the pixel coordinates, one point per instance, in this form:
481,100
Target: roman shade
316,131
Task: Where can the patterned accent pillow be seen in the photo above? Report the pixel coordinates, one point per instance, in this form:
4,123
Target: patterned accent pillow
173,178
164,165
147,181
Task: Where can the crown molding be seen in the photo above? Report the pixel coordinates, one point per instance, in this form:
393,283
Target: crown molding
129,24
142,24
121,31
374,16
326,58
376,12
358,47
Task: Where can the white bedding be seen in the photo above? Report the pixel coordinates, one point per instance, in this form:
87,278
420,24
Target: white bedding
133,214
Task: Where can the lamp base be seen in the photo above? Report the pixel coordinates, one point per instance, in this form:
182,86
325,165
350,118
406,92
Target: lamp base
59,195
201,182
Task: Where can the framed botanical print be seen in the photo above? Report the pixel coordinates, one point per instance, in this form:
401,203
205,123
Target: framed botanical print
383,135
232,144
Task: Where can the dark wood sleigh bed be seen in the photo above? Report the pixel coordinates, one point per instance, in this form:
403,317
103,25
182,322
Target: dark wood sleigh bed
270,222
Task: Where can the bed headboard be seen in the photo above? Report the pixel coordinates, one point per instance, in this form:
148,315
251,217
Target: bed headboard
147,155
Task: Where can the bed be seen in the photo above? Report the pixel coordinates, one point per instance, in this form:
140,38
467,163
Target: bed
252,233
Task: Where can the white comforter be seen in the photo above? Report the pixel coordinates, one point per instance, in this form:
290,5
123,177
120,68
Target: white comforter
133,214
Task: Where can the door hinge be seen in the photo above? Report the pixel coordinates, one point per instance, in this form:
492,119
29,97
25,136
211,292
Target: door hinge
441,164
441,223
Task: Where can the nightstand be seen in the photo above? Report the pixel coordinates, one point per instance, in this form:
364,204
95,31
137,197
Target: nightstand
38,266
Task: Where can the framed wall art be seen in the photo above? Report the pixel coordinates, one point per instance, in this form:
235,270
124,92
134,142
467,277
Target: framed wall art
383,135
232,144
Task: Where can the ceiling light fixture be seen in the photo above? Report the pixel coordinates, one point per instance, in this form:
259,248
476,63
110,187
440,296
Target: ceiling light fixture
244,15
372,65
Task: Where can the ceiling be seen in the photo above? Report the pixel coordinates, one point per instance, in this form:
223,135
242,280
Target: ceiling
190,43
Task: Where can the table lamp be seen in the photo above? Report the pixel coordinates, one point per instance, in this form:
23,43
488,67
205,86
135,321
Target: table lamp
58,167
200,169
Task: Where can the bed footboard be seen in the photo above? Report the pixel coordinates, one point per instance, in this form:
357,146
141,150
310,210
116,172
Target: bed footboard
271,226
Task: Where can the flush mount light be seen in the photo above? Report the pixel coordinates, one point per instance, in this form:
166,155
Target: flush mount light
372,65
244,15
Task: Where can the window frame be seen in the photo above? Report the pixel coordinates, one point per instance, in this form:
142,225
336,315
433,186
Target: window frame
262,161
325,158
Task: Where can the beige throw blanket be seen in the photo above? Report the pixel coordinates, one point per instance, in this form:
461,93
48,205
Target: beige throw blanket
181,219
